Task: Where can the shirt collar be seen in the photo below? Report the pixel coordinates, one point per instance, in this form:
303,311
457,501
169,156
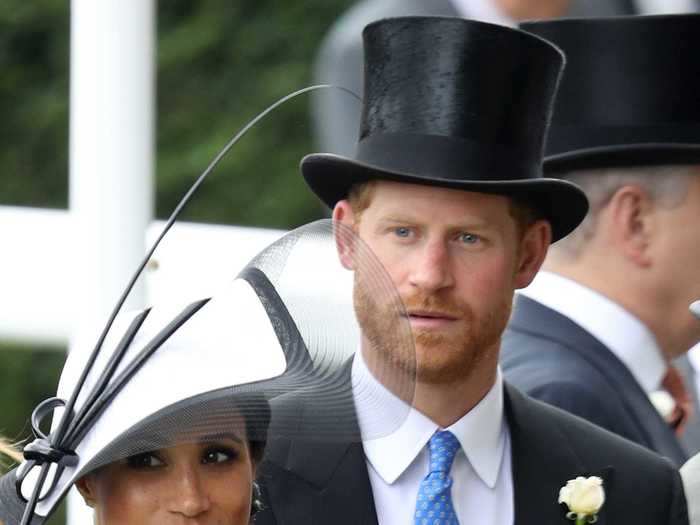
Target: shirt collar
483,10
481,432
620,331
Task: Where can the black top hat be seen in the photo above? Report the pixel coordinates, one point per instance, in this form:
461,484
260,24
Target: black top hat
630,95
459,104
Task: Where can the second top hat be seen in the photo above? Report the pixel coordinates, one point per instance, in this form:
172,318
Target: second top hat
630,95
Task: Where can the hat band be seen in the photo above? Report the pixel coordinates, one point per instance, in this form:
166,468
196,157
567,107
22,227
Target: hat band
441,157
563,139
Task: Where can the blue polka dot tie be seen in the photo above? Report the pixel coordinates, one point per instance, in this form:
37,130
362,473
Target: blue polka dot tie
434,505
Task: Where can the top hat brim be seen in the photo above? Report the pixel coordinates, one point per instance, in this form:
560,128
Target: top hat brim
561,203
623,156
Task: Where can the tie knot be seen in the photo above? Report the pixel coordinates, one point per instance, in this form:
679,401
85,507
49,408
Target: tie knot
443,447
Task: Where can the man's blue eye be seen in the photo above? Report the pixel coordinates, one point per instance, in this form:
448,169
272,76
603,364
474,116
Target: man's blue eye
468,238
402,232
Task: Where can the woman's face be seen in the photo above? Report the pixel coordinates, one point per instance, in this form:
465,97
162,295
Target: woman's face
207,483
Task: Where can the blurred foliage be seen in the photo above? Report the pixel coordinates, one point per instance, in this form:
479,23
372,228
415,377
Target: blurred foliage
219,64
34,45
27,376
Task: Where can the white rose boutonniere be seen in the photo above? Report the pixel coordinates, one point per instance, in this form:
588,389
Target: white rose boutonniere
584,497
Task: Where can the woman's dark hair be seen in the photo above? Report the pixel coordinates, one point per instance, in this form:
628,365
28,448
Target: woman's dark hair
255,410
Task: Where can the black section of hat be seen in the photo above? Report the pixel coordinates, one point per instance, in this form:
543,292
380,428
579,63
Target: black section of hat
629,94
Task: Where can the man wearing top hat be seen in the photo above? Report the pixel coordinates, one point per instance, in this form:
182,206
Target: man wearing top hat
595,333
446,190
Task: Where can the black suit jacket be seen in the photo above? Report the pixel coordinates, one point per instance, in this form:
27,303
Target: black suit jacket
553,359
327,483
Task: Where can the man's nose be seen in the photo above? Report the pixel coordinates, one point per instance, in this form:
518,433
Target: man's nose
431,267
191,497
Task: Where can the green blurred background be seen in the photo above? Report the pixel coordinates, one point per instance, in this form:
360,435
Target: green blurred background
219,63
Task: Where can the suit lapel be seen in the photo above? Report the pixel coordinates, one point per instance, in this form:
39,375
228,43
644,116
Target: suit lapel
330,483
319,483
529,316
691,434
338,483
542,462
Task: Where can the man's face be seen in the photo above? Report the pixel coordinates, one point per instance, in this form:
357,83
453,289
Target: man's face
677,262
454,257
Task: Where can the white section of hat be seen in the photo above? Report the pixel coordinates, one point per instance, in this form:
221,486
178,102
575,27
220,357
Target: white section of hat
314,265
229,341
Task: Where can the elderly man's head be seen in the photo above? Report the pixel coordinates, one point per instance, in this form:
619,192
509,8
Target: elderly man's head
639,245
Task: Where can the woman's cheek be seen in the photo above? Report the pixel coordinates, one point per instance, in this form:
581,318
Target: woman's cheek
129,499
233,495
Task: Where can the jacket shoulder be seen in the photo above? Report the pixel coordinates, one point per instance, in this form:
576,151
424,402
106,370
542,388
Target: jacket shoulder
591,442
536,365
647,487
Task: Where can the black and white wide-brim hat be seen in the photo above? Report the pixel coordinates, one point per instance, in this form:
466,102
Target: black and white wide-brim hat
166,375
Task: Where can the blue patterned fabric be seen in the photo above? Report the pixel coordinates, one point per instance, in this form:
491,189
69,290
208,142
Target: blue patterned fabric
434,504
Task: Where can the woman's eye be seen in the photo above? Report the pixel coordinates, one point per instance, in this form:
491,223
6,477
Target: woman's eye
145,460
468,238
218,456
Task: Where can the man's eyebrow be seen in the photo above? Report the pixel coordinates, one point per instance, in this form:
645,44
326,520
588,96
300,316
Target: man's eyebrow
466,224
397,218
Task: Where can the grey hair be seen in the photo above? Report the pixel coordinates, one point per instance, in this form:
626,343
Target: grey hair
665,185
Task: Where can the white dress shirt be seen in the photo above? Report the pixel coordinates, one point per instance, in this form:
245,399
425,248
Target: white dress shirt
482,490
620,331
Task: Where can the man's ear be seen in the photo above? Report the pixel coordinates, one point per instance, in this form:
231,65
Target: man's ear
630,215
343,230
86,487
533,250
